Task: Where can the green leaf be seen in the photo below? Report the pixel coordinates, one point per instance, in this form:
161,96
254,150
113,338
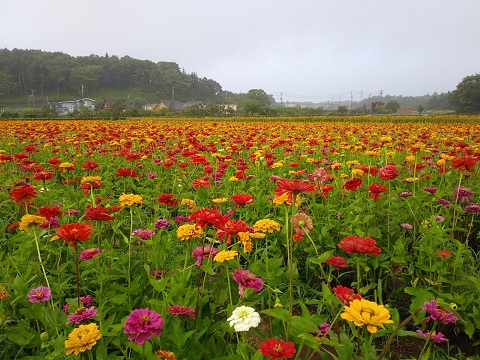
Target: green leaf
277,313
304,324
321,258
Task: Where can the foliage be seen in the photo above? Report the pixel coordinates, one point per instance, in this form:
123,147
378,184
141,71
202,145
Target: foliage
466,97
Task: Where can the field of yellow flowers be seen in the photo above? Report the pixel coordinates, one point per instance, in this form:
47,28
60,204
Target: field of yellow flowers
240,238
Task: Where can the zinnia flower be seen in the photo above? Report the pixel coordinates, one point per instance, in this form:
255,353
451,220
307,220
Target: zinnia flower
337,262
374,191
204,252
181,310
167,199
294,187
98,213
166,354
464,163
82,338
225,255
242,199
266,225
436,337
89,254
130,199
345,295
23,194
189,231
357,244
205,217
352,184
436,313
125,172
230,227
363,312
81,314
29,220
39,294
141,324
302,223
246,279
388,172
74,232
243,318
144,234
463,193
277,349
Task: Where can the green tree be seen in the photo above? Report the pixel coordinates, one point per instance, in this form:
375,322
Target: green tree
392,106
420,109
466,98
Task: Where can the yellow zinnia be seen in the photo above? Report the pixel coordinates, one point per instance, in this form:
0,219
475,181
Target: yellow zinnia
91,179
28,220
219,200
190,203
363,312
266,225
225,255
82,338
130,199
189,231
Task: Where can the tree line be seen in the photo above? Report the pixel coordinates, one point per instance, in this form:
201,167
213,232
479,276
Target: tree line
34,72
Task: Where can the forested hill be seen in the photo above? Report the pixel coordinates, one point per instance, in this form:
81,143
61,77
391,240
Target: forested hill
60,76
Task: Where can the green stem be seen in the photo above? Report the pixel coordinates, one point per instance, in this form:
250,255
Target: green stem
454,221
358,275
427,341
41,264
130,255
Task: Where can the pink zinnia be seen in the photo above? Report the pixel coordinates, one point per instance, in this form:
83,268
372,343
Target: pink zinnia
142,323
81,314
246,279
181,310
437,313
39,294
89,254
436,337
204,252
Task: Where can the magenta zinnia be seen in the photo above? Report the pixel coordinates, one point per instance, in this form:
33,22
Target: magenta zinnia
39,294
142,323
246,279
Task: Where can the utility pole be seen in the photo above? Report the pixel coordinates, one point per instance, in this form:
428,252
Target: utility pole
281,99
351,99
82,91
381,94
173,93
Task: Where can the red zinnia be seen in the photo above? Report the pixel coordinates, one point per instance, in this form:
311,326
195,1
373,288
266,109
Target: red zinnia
167,199
71,233
242,199
203,182
23,194
375,190
42,175
126,172
98,213
357,244
388,172
337,262
89,165
464,163
230,227
352,184
277,349
444,254
294,187
345,295
204,217
49,211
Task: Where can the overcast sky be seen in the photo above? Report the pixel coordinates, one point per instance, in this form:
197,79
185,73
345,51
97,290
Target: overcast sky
312,50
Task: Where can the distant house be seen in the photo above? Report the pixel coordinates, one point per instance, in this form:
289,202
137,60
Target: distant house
69,106
149,107
404,111
194,105
2,109
171,105
228,107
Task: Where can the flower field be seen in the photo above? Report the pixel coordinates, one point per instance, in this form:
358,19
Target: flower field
325,238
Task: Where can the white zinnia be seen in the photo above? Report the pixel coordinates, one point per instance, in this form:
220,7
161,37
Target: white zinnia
243,318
